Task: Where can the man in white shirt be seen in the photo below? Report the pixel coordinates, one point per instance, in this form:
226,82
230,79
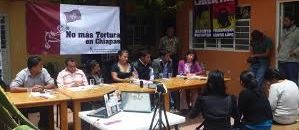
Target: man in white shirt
71,76
283,97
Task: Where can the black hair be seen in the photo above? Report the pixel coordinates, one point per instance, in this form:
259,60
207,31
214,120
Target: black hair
143,53
290,17
194,58
121,52
33,61
164,52
215,84
68,59
256,35
91,65
248,81
273,74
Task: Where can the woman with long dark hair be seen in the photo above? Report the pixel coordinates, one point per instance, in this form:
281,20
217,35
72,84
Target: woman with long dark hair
93,72
216,106
283,97
189,66
122,71
253,104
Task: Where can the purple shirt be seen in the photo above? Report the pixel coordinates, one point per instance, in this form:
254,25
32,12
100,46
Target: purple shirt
194,69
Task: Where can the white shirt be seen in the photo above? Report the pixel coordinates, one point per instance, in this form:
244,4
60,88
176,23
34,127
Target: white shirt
284,101
67,79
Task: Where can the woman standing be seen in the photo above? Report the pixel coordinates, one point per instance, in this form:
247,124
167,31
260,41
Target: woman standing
189,67
122,71
253,104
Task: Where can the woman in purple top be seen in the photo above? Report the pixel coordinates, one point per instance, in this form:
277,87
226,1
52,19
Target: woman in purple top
189,67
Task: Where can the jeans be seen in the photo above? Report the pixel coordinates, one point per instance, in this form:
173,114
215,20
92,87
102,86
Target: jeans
290,70
259,70
173,99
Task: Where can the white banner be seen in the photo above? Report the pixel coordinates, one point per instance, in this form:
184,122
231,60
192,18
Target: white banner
89,29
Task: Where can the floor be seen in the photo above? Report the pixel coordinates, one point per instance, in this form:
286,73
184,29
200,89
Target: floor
188,125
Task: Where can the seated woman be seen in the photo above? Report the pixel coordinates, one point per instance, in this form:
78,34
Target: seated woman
189,66
216,106
122,71
283,97
253,104
93,72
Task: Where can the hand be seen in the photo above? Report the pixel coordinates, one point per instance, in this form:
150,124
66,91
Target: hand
37,88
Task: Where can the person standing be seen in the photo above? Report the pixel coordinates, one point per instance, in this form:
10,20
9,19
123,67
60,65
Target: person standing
288,49
260,48
171,43
37,78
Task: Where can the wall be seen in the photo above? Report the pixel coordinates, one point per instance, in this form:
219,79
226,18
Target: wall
231,63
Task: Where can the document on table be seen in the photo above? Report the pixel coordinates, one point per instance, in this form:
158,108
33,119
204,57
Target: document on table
43,95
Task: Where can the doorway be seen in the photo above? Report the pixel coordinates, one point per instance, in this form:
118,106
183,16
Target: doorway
283,8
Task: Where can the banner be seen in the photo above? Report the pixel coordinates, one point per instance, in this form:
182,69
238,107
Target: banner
214,18
72,29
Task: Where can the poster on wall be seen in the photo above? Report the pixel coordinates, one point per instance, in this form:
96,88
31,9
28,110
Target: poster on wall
214,18
72,29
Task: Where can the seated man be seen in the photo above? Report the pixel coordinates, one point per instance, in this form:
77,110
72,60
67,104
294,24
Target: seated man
143,67
163,64
71,76
37,78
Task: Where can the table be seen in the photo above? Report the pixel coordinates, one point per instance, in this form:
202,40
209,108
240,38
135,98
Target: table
129,120
176,83
23,100
84,96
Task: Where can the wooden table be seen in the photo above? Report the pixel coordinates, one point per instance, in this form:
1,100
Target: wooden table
23,100
176,83
84,96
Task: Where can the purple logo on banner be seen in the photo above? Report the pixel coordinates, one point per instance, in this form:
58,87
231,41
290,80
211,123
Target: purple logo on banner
73,15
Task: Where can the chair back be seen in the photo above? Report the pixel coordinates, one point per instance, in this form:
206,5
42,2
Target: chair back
11,117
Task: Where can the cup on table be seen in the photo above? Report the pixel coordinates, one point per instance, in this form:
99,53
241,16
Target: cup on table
91,82
161,75
207,73
101,81
169,75
29,91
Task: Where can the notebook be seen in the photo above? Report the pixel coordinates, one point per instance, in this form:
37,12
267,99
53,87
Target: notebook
111,107
136,102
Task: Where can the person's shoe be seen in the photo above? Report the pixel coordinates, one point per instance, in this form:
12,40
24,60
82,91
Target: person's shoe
174,111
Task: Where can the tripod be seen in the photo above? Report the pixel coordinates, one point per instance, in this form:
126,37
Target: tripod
159,105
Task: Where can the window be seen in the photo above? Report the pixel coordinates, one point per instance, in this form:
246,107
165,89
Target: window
240,41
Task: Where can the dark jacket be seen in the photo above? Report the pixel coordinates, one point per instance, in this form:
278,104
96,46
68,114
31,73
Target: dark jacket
217,111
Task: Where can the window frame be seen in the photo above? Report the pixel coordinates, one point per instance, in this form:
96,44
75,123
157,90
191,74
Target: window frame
218,46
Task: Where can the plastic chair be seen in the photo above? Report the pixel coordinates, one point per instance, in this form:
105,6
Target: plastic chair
11,116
